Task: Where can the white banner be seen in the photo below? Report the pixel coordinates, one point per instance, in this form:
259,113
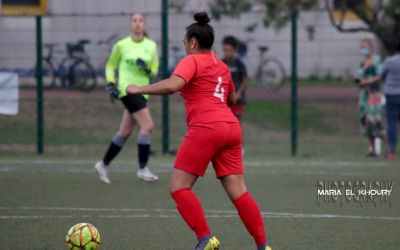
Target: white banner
9,93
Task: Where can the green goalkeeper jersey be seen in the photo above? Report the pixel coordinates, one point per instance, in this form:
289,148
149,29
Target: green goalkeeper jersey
124,55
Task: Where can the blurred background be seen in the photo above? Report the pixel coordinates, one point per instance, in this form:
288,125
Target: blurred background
79,119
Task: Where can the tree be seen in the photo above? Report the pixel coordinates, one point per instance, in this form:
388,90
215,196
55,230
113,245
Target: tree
381,17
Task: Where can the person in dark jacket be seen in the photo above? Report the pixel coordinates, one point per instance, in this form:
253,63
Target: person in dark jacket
391,89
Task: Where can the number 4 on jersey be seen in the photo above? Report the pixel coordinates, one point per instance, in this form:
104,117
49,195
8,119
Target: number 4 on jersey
219,91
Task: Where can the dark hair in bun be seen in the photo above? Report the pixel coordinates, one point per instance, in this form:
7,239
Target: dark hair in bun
201,30
201,18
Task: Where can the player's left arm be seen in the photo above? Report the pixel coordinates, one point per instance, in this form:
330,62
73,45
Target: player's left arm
231,93
374,79
154,64
232,99
245,80
164,87
243,86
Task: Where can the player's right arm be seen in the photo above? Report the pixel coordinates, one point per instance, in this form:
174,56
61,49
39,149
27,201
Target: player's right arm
112,64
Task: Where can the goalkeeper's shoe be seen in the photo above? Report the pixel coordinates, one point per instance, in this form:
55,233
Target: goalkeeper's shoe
211,244
146,175
103,172
265,248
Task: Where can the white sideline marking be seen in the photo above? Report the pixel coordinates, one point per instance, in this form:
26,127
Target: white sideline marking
167,170
168,163
172,213
60,168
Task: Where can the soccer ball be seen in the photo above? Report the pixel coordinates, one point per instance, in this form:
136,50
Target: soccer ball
83,236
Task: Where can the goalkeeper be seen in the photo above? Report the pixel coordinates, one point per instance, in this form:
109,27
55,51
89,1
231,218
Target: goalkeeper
136,59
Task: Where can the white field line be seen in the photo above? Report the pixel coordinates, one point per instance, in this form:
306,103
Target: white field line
167,163
58,167
168,170
171,213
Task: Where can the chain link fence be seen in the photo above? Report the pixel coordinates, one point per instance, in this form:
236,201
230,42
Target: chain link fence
81,123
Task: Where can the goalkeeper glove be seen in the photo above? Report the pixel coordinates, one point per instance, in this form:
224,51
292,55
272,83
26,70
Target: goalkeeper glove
143,66
114,93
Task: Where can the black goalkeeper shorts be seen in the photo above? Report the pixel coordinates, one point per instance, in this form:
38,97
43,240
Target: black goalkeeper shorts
134,103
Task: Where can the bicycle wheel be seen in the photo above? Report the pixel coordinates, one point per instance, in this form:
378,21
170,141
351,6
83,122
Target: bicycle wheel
271,74
49,75
82,76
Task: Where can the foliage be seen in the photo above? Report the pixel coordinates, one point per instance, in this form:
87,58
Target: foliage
276,13
381,17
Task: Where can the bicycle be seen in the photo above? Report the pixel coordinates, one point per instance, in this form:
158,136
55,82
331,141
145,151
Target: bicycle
270,72
74,70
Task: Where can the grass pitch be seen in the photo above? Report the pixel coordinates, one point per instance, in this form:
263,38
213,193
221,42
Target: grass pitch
42,196
40,200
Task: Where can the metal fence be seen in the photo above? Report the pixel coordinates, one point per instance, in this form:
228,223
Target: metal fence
81,123
323,50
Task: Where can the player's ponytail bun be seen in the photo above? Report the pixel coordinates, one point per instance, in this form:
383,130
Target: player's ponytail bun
201,18
201,30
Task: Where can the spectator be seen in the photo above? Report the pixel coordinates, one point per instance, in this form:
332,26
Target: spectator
370,95
391,89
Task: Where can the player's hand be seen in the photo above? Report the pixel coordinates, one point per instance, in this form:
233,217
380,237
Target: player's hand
143,66
113,90
238,96
132,89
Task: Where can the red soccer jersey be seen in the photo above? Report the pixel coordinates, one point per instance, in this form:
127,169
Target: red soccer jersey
208,85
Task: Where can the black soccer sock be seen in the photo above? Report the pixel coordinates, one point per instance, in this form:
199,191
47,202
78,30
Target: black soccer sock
143,149
115,147
111,153
144,152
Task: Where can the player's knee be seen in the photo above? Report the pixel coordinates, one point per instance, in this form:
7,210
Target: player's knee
125,134
147,128
172,188
234,186
236,194
176,186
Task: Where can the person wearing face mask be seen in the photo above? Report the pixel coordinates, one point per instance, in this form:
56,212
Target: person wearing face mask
391,88
136,58
370,96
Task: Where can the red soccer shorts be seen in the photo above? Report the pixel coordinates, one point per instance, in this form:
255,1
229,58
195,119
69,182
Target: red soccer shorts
237,109
217,142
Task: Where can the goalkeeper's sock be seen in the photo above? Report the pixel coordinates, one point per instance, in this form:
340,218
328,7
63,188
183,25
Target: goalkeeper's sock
115,147
191,211
143,141
250,214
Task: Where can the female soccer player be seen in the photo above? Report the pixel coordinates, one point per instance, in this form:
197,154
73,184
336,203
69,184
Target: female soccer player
137,59
214,135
